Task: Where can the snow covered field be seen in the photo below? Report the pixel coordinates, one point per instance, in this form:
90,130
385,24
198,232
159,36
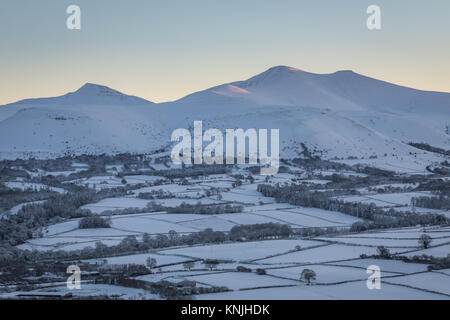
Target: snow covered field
245,251
333,252
352,291
274,265
161,259
240,280
326,274
387,200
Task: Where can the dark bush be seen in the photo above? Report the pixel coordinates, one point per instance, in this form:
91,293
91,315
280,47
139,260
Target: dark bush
243,269
93,222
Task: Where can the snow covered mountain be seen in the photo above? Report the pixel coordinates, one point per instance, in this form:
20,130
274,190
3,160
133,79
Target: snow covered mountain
339,91
93,119
340,114
343,113
90,94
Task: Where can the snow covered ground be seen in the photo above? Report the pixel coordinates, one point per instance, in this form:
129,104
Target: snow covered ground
336,259
352,291
245,251
387,199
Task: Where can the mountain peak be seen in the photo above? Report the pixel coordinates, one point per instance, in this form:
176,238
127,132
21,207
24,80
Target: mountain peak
96,89
274,75
282,68
280,71
89,93
282,85
344,71
96,93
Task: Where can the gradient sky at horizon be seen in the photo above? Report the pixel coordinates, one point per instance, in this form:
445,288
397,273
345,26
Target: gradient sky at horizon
161,50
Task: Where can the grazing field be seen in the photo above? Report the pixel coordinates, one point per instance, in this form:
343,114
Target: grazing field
245,251
391,266
242,255
240,280
144,224
352,291
66,244
326,274
438,251
387,242
116,203
431,281
388,199
332,252
308,218
161,259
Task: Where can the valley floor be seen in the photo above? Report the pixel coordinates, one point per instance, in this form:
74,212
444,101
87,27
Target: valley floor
270,267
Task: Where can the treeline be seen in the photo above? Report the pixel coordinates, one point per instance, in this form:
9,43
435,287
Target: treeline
59,164
440,202
427,147
194,171
259,231
19,227
94,222
376,217
319,164
64,163
156,194
130,244
167,289
205,208
125,270
439,185
198,208
435,263
400,220
12,197
7,173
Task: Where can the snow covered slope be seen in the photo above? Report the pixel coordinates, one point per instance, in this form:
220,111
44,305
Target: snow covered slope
93,119
339,91
341,114
88,94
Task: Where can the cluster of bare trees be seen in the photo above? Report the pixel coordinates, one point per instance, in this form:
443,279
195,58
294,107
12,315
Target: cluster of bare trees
440,202
205,208
94,222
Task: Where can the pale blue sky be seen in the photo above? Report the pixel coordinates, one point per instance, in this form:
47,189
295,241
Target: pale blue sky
164,49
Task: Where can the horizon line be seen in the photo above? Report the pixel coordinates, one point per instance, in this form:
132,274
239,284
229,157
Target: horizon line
294,69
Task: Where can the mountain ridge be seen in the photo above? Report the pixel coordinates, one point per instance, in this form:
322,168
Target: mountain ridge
341,90
344,114
89,93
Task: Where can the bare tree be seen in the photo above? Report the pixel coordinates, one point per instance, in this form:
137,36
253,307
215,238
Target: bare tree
424,241
308,275
211,264
151,262
188,265
383,252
